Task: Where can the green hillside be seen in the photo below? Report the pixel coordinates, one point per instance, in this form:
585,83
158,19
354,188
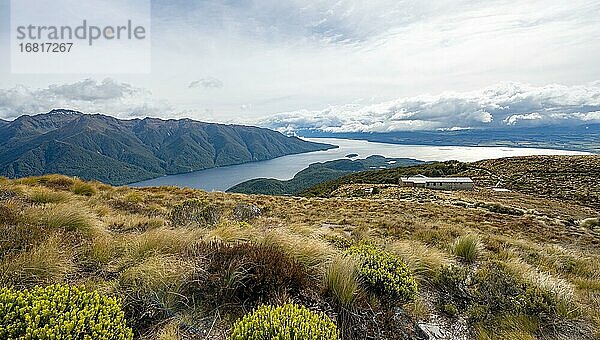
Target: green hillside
125,151
317,173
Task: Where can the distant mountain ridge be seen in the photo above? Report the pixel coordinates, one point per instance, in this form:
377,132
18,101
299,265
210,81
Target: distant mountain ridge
318,173
119,151
578,138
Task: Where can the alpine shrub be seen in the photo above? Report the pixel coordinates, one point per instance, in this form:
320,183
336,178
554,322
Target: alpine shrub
195,212
246,212
289,321
60,312
246,273
383,272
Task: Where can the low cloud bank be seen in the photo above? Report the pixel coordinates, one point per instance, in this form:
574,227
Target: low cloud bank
107,96
503,105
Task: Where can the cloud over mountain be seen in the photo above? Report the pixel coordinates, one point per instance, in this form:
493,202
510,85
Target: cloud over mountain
502,105
106,96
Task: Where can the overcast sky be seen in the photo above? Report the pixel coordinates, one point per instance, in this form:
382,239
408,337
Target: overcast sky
344,65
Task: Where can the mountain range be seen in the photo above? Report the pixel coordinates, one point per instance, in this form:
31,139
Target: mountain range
578,138
115,151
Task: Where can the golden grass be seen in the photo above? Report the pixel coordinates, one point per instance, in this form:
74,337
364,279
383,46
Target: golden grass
170,332
134,222
104,249
41,195
562,290
114,239
509,327
159,241
341,280
46,263
311,252
70,217
133,197
158,272
229,232
423,260
83,188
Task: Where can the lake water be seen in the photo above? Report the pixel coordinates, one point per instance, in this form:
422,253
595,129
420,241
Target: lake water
287,166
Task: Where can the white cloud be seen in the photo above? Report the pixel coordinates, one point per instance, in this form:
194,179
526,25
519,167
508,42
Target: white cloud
207,83
311,54
505,104
107,97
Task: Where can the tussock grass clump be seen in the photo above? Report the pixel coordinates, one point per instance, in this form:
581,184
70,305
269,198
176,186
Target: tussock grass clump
495,290
156,289
48,262
83,189
309,251
159,241
62,216
10,212
384,273
467,248
341,280
19,237
134,222
58,182
61,312
157,273
424,261
102,250
133,197
229,233
41,195
289,321
517,327
562,292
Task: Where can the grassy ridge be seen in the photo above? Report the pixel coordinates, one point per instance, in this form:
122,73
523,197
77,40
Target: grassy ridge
187,263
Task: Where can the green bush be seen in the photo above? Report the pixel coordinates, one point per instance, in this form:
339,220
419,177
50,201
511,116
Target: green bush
491,290
289,321
195,212
60,312
383,272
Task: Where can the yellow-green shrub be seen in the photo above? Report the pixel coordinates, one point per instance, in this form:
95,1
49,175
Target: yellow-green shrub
60,312
383,272
289,321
